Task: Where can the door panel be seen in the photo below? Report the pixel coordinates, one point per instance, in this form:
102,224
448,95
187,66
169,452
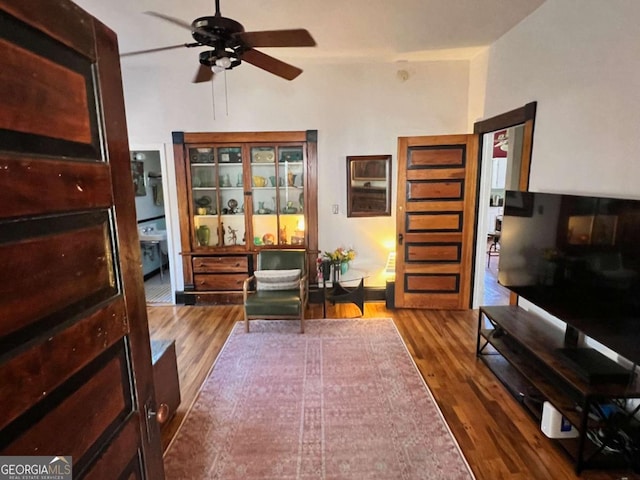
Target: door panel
107,378
120,456
75,370
437,181
436,189
437,252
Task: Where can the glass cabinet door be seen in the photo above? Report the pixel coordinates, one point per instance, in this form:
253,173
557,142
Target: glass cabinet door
291,195
217,193
278,195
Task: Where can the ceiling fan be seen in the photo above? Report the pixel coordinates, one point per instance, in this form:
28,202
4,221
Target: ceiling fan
231,45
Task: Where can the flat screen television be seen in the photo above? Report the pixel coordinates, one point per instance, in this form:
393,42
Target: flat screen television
578,258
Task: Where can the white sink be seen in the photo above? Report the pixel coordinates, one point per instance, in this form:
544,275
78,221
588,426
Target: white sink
153,236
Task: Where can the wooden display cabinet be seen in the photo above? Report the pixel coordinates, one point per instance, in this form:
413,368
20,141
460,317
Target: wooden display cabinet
238,193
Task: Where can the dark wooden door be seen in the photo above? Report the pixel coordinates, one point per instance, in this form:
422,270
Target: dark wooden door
437,183
75,360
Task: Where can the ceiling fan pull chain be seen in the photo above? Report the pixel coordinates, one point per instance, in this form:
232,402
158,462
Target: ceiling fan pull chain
226,96
213,99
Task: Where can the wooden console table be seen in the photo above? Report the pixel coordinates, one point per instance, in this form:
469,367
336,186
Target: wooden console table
524,353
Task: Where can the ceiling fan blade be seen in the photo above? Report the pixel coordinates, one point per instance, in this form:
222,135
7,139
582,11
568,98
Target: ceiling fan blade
271,64
204,74
298,37
183,24
175,21
152,50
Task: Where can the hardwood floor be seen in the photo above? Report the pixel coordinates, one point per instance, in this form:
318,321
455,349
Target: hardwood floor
494,293
498,438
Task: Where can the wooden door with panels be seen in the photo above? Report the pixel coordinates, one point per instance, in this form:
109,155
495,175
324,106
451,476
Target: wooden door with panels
436,207
75,361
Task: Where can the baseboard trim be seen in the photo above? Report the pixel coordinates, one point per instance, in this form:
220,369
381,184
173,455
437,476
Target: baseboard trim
371,294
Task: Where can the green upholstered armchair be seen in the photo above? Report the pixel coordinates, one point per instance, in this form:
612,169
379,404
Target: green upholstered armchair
278,287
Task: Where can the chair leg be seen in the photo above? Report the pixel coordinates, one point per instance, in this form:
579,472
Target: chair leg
246,323
302,320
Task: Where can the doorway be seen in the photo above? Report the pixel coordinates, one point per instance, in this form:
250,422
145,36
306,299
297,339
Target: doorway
153,215
502,156
506,143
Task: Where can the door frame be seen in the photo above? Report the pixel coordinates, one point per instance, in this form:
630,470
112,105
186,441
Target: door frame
170,211
520,116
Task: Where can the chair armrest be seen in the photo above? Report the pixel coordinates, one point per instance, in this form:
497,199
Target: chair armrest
246,285
304,290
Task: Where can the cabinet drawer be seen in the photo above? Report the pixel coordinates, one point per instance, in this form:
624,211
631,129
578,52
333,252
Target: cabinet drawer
219,282
220,264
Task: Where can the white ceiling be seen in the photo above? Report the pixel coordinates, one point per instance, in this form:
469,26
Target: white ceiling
354,30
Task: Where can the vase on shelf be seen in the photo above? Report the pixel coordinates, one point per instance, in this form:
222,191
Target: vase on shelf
203,233
344,266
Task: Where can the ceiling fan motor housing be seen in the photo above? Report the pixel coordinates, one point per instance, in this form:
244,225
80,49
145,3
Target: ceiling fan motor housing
218,32
208,30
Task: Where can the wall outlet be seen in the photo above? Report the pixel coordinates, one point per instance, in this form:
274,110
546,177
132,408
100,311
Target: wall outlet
335,209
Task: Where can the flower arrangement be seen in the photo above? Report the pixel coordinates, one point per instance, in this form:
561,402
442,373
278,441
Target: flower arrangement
340,254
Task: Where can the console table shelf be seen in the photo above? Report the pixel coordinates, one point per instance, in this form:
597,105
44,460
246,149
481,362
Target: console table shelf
523,352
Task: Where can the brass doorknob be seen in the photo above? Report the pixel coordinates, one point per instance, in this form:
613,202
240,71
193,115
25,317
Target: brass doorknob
161,415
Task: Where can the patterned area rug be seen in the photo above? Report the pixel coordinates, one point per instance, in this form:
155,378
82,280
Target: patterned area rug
344,400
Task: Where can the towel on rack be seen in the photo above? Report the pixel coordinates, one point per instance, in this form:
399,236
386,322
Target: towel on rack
158,197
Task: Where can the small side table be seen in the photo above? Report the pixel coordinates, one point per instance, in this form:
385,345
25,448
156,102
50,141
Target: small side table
340,292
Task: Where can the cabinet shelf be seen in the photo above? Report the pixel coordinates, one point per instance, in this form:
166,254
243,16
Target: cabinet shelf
524,353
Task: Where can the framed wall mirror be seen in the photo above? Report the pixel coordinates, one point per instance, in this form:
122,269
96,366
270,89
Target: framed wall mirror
369,186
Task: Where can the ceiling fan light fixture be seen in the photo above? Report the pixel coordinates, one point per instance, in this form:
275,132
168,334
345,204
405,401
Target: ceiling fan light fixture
223,62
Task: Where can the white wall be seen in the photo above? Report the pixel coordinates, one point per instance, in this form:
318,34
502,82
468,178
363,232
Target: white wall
477,87
580,60
358,109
